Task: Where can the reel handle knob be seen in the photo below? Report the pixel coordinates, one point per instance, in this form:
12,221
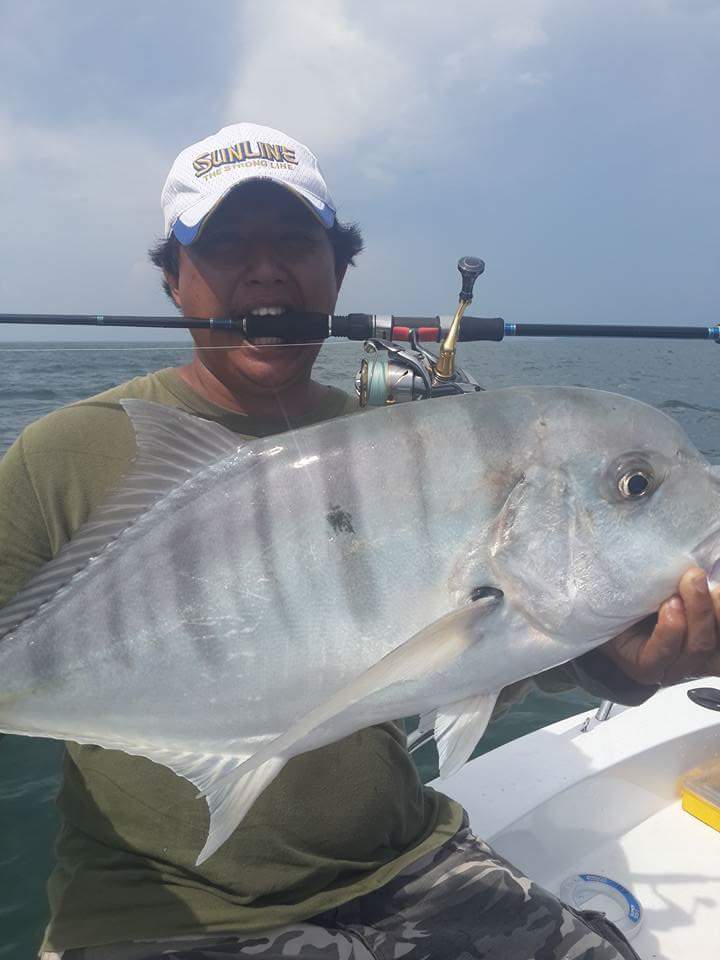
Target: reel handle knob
470,269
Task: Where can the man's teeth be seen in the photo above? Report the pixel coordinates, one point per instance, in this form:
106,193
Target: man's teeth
267,311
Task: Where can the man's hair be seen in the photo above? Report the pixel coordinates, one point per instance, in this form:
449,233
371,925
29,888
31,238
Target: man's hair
345,239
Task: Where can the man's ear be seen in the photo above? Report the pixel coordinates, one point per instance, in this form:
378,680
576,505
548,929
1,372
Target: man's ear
172,283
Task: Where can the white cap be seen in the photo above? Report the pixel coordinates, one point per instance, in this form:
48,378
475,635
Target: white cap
204,173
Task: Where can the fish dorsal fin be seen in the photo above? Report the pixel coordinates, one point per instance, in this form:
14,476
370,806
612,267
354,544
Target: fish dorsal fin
171,447
458,728
175,442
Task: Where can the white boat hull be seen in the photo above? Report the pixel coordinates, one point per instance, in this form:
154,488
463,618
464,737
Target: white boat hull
604,798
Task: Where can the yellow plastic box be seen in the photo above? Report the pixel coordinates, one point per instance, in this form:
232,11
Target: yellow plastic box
700,793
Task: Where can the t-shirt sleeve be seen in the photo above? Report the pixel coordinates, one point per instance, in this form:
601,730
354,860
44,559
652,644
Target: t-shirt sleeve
597,674
54,475
592,672
599,677
24,537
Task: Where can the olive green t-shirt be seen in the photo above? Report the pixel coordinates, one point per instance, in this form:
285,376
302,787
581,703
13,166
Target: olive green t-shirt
335,824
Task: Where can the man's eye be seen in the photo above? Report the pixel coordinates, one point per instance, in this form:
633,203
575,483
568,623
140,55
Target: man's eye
220,248
220,243
297,242
229,248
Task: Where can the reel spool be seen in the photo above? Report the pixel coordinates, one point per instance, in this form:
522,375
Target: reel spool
390,374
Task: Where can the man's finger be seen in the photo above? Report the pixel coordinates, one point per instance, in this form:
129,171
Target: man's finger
702,632
665,645
702,640
715,597
711,665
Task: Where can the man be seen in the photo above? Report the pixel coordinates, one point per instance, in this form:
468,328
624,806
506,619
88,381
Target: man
345,853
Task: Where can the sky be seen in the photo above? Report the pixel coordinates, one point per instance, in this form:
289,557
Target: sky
573,145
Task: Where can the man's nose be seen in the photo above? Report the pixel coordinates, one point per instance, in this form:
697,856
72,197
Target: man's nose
263,263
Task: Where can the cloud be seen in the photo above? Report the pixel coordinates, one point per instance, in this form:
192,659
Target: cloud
78,198
396,77
535,133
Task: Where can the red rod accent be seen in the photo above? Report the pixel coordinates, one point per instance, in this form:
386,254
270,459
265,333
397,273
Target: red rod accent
423,333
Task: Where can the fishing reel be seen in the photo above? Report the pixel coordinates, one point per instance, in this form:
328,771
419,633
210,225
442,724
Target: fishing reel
392,374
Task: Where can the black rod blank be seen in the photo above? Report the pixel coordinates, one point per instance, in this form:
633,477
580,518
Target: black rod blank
611,330
305,327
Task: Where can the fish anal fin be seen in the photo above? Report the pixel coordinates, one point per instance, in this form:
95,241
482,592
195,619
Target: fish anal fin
229,795
230,800
458,728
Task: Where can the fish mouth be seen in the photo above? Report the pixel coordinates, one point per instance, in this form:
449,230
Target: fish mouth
707,555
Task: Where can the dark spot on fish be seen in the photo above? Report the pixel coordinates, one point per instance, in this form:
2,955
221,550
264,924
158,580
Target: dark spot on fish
482,593
340,520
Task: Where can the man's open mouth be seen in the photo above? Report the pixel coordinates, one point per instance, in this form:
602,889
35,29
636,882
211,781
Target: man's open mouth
270,326
266,341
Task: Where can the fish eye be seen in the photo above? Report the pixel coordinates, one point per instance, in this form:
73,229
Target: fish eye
634,476
634,484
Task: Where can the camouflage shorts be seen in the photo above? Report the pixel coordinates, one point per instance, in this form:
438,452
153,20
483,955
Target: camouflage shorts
461,902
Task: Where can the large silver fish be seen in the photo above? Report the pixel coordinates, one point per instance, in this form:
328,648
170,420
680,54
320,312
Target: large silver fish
236,604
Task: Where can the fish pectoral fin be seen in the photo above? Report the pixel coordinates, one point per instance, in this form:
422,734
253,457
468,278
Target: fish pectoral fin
427,652
458,728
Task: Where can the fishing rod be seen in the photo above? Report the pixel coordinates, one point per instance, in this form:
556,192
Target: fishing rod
364,326
389,373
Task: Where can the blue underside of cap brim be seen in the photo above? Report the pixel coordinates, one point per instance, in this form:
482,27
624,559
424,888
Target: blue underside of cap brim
327,216
187,235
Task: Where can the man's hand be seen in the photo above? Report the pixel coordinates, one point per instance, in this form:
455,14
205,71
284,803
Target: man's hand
682,641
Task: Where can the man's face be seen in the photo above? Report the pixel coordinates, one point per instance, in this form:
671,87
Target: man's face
261,248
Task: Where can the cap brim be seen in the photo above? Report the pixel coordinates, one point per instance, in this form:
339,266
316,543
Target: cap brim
189,225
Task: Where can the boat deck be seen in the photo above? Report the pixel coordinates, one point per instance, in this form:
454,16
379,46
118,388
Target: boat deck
604,798
671,863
